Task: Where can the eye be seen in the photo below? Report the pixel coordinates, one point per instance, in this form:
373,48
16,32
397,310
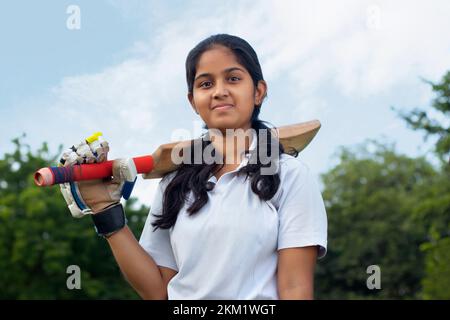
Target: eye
236,79
202,85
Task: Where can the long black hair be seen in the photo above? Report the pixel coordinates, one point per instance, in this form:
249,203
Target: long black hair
194,177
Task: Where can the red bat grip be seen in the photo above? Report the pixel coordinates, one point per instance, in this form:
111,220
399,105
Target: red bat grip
56,175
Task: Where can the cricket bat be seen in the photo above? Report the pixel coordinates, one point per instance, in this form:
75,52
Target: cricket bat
295,136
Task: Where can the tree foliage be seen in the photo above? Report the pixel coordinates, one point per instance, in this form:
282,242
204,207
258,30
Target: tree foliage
372,200
436,282
393,211
420,118
40,239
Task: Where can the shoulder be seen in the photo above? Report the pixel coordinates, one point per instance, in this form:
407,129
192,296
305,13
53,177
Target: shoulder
292,168
294,173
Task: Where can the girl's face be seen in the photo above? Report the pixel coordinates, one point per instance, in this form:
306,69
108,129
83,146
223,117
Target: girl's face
224,93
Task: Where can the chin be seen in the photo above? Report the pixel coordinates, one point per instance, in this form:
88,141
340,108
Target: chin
224,123
222,126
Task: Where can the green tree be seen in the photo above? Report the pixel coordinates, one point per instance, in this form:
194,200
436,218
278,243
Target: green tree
40,239
420,119
371,198
392,211
436,282
436,202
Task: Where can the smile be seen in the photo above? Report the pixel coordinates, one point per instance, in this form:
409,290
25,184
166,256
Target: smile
223,107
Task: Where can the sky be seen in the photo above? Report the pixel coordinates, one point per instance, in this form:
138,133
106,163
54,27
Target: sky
71,68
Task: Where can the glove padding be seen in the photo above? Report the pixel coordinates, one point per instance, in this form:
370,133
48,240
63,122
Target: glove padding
93,196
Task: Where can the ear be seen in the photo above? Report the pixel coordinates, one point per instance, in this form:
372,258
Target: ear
191,101
260,92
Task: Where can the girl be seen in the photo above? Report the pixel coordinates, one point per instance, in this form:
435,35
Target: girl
216,230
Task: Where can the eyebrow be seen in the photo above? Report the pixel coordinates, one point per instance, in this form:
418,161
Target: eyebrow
224,71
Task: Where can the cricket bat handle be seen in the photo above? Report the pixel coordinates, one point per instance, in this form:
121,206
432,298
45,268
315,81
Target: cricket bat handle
55,175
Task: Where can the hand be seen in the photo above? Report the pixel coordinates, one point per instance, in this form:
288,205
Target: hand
94,196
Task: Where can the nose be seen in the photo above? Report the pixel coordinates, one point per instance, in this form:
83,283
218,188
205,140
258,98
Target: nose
220,90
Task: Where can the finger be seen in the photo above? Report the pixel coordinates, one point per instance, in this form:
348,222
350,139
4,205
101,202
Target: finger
125,170
98,146
93,149
70,157
85,152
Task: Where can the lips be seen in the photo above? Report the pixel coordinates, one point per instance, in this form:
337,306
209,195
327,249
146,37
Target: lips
224,106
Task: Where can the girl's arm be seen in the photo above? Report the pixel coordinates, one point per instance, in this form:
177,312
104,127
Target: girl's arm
296,273
138,267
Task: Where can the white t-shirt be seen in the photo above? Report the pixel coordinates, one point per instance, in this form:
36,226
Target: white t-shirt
228,249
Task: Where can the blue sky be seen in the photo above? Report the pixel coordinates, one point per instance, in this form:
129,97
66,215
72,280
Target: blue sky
122,73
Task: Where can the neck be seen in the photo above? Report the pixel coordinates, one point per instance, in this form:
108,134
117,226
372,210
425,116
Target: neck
231,144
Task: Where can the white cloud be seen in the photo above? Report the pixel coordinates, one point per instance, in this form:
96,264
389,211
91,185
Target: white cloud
310,43
335,40
311,107
305,45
